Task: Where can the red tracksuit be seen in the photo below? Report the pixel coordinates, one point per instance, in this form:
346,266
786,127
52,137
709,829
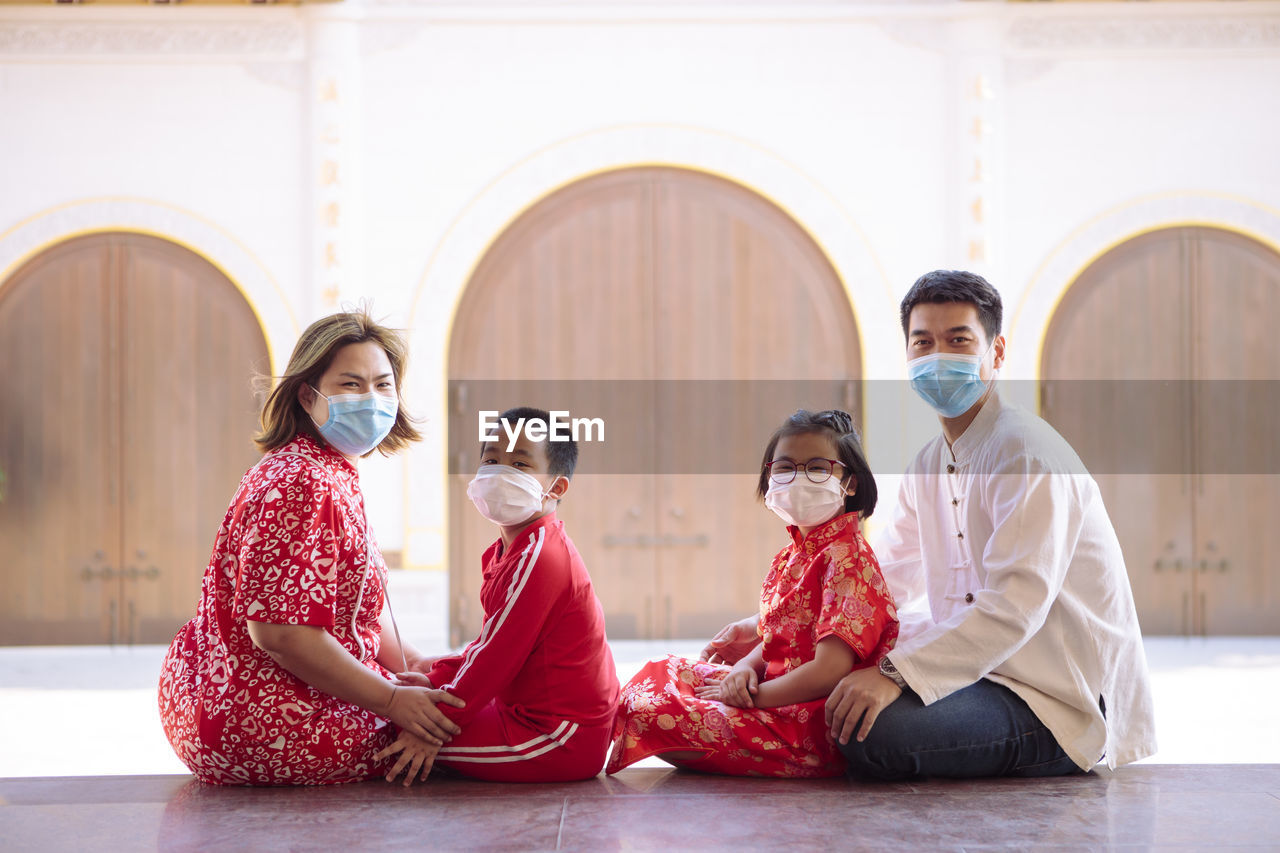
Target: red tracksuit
539,681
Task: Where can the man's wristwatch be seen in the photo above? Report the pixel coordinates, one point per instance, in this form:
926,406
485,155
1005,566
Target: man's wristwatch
889,671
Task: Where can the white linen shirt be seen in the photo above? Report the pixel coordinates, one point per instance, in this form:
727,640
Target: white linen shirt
1005,566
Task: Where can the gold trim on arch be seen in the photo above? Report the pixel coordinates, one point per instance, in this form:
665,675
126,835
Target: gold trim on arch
585,176
8,271
1112,246
1061,246
17,265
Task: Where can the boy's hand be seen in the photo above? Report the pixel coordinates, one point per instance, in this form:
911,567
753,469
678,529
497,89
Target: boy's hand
416,756
412,679
423,663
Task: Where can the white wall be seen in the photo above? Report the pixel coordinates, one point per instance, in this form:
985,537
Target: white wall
204,123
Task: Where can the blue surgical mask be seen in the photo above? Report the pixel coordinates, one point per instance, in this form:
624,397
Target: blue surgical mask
358,422
950,382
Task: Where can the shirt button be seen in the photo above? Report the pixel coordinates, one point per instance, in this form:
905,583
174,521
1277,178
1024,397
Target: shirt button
961,535
951,469
968,598
955,502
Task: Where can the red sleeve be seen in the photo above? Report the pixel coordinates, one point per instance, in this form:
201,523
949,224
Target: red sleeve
856,605
511,631
444,670
287,559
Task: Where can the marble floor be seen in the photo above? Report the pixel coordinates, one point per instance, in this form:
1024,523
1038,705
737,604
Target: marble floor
1160,807
84,766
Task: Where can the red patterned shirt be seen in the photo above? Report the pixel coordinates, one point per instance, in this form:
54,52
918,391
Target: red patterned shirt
293,549
826,584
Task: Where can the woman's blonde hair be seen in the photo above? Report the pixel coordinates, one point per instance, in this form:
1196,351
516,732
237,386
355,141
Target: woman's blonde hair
283,416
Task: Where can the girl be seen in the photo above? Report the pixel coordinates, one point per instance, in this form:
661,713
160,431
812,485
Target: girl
282,678
824,611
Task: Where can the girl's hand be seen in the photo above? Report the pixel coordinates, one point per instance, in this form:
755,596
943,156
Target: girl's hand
739,686
414,710
416,756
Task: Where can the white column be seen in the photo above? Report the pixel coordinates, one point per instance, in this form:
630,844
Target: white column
977,186
334,215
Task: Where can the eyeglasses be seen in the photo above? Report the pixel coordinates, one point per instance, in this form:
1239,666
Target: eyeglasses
818,470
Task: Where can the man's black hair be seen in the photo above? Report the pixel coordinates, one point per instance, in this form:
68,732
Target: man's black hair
562,456
838,425
955,286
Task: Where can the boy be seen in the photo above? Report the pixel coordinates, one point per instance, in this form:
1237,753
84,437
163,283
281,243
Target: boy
539,682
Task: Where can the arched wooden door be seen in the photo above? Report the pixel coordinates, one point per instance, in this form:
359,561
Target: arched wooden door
127,422
1189,469
652,282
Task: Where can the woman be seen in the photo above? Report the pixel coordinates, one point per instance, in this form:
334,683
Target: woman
282,676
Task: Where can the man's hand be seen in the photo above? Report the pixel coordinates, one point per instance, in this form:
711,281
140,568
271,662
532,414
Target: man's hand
733,642
416,756
860,695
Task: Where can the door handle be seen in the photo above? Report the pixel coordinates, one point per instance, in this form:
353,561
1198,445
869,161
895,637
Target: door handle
1176,565
133,573
88,573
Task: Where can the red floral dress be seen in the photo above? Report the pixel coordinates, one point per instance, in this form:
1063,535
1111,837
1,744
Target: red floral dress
828,584
291,551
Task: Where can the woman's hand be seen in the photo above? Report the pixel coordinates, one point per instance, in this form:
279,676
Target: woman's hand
414,710
733,642
416,756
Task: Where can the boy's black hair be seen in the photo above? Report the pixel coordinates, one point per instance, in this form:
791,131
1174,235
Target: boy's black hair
955,286
562,456
839,425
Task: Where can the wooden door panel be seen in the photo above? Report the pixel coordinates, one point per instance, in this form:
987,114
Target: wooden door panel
656,275
59,517
749,309
1122,324
190,347
562,296
1237,299
134,424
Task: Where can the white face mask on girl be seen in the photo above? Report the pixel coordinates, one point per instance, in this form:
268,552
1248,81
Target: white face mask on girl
506,496
805,503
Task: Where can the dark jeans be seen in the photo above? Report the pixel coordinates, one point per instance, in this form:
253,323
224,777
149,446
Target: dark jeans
981,730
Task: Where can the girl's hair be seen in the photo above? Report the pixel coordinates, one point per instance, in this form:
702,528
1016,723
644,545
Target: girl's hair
839,426
283,416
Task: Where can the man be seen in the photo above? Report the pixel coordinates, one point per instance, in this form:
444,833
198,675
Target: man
1020,652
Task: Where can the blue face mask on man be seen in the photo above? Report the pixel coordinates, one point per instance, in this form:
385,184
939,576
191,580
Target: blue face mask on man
950,382
358,422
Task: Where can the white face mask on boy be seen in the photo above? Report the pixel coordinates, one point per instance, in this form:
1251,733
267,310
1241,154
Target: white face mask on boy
505,495
805,503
